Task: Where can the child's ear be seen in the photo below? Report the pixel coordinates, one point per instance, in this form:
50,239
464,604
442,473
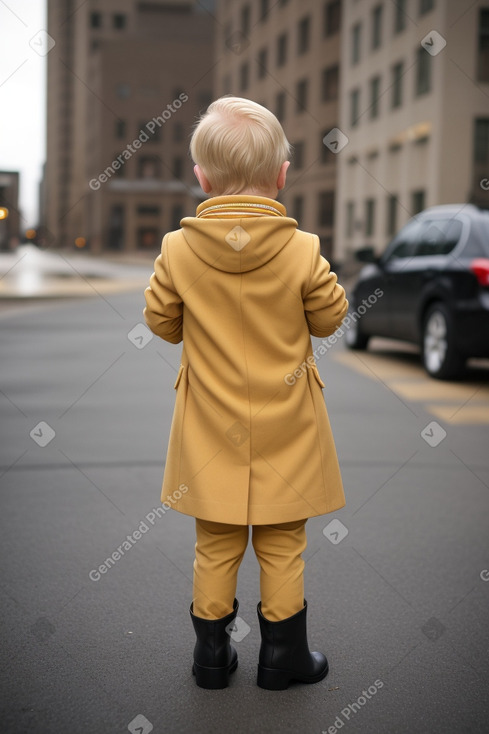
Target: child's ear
282,175
202,179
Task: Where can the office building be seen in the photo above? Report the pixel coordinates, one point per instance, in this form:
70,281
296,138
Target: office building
126,82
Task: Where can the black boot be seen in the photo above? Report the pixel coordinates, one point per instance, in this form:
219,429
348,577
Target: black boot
285,655
214,656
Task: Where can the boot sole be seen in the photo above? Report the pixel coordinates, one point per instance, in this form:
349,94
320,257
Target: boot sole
279,680
213,678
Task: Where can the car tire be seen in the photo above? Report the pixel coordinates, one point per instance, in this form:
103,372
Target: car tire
354,337
440,357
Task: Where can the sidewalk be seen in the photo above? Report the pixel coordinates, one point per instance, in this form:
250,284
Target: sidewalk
29,274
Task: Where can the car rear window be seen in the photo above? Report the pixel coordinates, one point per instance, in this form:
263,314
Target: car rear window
478,241
439,237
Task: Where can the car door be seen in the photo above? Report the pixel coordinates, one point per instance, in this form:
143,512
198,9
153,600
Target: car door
395,266
435,238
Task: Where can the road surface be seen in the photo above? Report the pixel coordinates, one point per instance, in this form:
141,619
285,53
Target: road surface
397,584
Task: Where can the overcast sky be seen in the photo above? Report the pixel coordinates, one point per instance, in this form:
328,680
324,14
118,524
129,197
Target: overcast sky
22,98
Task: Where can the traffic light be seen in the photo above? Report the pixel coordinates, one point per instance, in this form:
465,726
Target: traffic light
3,212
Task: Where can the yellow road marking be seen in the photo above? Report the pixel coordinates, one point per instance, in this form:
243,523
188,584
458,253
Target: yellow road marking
437,390
467,415
410,383
383,367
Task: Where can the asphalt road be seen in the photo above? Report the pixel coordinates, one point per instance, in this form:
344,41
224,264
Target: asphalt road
397,587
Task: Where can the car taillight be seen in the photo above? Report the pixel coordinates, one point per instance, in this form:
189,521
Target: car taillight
480,268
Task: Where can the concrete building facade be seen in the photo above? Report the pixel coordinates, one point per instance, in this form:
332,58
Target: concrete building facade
415,108
126,81
285,55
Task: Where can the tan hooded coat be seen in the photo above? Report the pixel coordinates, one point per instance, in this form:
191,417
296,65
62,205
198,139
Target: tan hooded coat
244,292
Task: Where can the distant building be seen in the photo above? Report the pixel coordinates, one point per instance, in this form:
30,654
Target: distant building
9,210
285,55
416,112
126,82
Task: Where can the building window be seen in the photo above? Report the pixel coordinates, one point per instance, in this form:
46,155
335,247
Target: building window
399,15
262,63
481,141
244,74
332,18
155,136
303,34
282,49
354,107
298,155
425,6
280,106
417,201
123,91
95,20
326,248
204,100
350,218
397,72
325,154
178,132
298,208
120,129
326,209
374,97
116,227
264,8
369,217
148,211
391,224
119,21
148,238
483,49
176,216
149,167
245,20
177,168
377,14
423,72
119,172
330,83
356,37
301,95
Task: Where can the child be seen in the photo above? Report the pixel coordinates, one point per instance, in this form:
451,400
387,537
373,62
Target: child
250,441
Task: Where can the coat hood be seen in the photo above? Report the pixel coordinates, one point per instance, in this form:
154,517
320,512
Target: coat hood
238,233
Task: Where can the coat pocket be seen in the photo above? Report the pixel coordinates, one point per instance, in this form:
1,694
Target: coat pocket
179,376
318,376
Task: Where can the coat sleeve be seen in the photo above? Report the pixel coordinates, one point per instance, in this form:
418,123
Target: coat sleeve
325,303
164,307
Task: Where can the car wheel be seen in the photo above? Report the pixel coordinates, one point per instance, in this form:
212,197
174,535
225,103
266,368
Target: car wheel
354,337
440,358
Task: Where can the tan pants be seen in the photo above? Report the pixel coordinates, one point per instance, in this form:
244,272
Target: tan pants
219,551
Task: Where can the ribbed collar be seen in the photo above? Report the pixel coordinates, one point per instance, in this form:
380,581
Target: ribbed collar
238,206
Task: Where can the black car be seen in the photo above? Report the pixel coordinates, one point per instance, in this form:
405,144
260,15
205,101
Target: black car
430,287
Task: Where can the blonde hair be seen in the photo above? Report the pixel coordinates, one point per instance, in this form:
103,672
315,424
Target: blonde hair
239,145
